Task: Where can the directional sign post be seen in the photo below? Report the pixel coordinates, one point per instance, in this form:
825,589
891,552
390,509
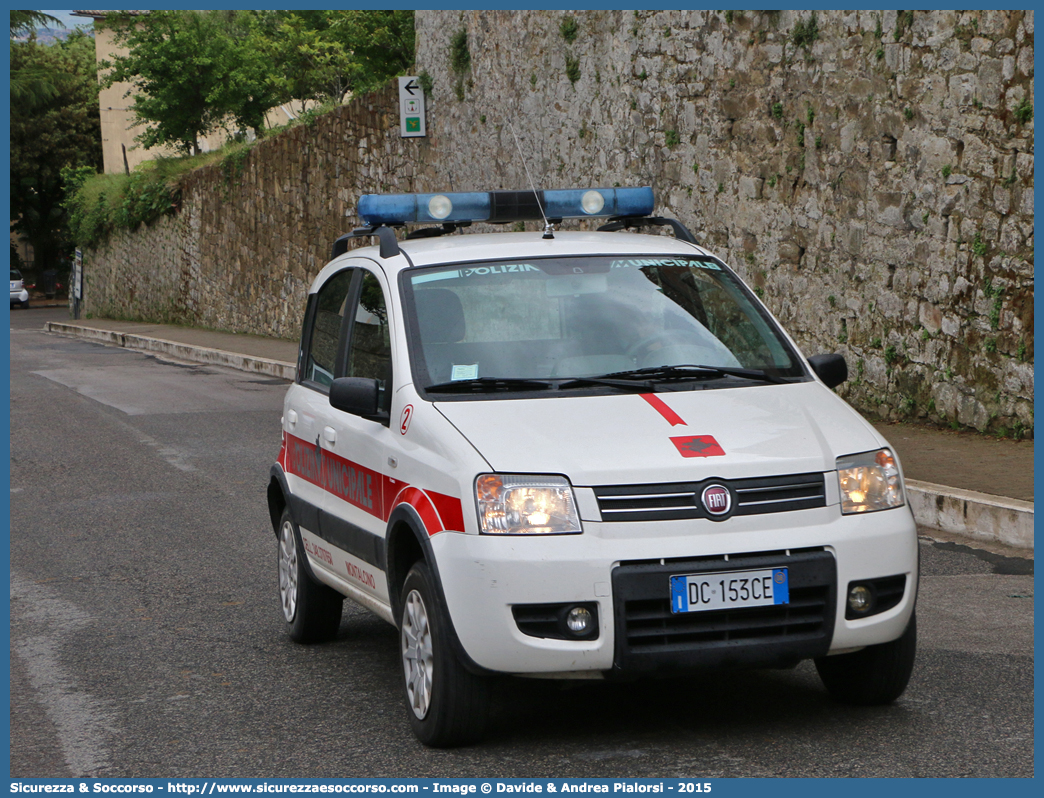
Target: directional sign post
411,108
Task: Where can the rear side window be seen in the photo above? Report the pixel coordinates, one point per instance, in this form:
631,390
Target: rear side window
325,334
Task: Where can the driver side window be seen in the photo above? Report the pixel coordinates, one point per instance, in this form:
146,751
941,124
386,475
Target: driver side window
369,344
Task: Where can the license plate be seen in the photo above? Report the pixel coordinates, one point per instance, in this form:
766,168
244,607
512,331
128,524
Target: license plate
729,590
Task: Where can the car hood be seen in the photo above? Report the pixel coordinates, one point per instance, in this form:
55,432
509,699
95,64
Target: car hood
666,437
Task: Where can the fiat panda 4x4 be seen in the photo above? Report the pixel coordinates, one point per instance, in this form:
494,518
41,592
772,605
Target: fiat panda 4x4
578,455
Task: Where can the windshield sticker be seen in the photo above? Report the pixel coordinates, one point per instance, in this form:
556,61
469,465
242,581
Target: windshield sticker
698,446
631,263
465,372
477,271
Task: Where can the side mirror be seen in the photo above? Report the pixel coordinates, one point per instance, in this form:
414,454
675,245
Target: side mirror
831,369
355,395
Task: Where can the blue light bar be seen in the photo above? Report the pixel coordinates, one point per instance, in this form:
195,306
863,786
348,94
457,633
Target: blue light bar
570,203
377,209
503,207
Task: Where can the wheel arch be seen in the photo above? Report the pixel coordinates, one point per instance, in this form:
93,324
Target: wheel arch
278,497
408,542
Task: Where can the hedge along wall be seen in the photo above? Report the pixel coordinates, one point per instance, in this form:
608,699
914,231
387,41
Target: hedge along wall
870,173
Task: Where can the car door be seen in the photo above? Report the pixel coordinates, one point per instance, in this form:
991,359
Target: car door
356,448
307,404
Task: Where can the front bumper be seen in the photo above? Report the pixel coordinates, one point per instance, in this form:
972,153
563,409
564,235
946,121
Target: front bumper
617,564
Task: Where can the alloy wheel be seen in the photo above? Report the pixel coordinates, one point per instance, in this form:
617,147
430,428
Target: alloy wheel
288,573
417,654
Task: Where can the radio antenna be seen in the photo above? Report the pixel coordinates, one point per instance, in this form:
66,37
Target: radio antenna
549,230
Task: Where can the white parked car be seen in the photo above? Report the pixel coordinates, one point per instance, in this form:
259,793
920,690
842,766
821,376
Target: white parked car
19,296
578,455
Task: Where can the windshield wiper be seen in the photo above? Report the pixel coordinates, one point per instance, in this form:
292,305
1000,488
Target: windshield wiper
488,385
695,372
627,383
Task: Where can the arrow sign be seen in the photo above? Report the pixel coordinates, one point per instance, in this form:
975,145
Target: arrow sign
412,122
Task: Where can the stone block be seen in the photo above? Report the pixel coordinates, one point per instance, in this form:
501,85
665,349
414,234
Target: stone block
1025,61
751,187
991,81
930,317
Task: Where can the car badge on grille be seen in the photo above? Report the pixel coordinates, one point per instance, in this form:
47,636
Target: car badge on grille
716,500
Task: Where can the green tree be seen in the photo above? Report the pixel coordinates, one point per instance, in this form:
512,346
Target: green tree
31,84
28,21
324,55
252,86
193,72
48,134
311,62
382,44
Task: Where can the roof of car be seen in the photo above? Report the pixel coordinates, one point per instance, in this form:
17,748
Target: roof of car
466,247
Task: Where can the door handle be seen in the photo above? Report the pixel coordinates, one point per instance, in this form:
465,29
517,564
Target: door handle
291,417
329,435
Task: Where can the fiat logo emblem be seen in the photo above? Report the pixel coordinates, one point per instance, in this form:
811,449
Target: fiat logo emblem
716,499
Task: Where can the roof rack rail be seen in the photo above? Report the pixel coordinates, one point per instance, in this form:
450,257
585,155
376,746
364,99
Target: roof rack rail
623,222
386,236
434,232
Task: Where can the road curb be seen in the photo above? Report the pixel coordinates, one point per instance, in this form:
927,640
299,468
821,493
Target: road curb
971,514
197,354
967,513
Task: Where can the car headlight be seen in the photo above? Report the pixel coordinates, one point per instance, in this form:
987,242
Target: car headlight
516,504
869,481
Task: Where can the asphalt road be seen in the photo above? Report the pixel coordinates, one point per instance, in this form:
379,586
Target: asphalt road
147,641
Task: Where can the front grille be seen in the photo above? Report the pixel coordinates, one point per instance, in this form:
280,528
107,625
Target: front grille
680,500
651,637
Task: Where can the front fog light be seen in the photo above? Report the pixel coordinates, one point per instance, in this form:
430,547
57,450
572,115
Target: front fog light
869,481
579,620
860,599
523,504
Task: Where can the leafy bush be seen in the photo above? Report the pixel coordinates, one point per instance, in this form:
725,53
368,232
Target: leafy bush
460,54
1024,111
572,68
805,32
569,29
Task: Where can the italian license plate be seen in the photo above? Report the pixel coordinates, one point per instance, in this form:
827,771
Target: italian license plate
729,590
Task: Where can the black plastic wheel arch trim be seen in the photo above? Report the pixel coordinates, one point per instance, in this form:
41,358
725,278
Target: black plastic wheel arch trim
405,513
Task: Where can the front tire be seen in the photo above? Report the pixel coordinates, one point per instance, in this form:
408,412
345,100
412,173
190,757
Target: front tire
312,610
874,676
447,704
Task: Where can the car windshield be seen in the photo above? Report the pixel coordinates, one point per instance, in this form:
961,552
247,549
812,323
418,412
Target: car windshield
557,319
15,275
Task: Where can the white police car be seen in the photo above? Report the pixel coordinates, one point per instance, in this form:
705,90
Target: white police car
578,455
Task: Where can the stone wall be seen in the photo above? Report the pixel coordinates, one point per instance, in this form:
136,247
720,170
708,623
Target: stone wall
869,173
252,232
